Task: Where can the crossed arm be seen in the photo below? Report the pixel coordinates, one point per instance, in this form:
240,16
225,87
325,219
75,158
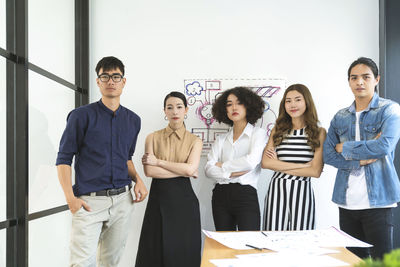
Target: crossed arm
237,166
158,168
363,162
353,154
310,169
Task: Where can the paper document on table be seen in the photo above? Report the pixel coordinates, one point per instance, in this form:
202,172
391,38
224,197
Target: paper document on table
279,259
330,237
236,240
287,240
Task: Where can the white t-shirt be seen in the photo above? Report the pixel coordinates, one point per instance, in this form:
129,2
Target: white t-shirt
357,192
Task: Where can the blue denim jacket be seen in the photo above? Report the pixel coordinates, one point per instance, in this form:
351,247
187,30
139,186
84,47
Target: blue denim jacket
381,116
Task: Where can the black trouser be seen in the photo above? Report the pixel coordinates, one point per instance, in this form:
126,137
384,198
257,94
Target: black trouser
171,231
374,226
235,206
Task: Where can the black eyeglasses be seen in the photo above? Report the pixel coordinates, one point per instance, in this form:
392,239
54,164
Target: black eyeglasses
106,77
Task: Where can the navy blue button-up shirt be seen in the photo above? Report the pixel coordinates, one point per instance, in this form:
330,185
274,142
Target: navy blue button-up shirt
102,142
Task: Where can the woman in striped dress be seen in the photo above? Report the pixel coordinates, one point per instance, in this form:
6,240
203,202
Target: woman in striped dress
294,152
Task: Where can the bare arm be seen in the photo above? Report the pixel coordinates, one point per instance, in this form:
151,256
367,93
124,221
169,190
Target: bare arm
269,160
64,176
139,188
317,163
237,174
154,171
187,169
168,169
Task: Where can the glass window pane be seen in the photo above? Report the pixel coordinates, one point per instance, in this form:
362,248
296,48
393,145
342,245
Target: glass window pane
52,35
3,245
3,24
3,151
49,240
49,105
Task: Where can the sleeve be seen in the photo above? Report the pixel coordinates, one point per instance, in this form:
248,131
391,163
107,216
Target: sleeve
380,147
250,161
137,125
213,157
330,155
71,139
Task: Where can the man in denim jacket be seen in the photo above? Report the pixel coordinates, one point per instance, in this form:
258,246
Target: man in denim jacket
361,142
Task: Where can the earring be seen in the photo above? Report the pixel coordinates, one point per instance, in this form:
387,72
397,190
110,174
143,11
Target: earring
165,118
185,116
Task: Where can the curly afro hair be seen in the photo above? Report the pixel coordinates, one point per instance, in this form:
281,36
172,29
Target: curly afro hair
253,103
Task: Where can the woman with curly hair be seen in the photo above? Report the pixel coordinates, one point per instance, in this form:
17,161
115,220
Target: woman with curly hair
234,160
294,152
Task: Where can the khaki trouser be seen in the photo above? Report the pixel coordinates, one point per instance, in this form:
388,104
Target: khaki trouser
105,229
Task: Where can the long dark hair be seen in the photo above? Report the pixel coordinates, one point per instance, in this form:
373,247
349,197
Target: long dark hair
283,123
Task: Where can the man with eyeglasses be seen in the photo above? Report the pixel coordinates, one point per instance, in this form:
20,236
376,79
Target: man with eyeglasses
102,137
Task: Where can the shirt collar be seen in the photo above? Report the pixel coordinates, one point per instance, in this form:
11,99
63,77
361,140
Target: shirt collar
109,111
374,103
179,132
248,130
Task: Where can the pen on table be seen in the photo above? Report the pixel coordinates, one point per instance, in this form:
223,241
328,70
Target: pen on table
250,246
264,234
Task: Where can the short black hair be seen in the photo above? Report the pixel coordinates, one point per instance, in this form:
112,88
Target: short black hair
252,102
175,94
367,62
364,61
110,63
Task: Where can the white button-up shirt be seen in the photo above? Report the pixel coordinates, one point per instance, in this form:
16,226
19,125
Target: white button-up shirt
244,154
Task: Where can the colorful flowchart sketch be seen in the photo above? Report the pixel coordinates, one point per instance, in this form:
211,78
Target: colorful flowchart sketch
201,95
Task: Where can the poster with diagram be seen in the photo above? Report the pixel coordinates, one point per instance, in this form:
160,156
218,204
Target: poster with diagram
201,94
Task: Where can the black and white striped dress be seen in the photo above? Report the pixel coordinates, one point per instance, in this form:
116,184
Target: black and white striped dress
290,203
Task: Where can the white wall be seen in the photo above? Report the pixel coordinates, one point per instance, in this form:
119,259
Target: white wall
164,42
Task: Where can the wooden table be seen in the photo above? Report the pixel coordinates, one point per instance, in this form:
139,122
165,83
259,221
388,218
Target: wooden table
214,250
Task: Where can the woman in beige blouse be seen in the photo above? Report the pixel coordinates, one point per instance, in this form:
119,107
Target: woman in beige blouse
171,234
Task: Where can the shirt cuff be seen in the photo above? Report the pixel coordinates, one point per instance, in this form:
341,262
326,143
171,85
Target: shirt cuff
225,173
64,158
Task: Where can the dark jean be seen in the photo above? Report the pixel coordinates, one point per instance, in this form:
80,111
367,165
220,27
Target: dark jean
374,226
235,207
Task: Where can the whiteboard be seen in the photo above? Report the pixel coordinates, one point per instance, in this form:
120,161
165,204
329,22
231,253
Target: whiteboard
202,93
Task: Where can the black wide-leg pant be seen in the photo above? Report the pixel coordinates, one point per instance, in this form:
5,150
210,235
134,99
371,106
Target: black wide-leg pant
171,232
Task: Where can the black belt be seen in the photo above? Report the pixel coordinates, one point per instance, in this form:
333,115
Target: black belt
110,192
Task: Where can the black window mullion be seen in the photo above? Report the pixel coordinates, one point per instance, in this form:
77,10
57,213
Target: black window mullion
17,132
82,51
16,53
389,58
